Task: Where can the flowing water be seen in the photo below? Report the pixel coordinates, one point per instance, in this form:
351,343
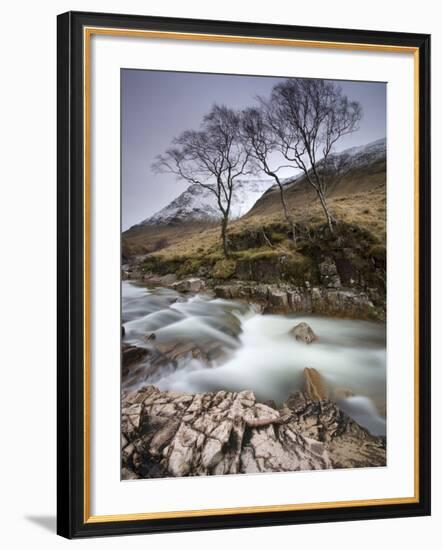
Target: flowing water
255,351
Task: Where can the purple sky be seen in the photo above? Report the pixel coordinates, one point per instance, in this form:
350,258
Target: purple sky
158,105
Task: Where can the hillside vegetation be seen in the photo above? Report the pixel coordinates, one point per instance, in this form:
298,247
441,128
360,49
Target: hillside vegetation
359,197
261,248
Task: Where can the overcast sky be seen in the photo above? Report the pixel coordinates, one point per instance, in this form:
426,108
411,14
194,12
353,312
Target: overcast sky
158,105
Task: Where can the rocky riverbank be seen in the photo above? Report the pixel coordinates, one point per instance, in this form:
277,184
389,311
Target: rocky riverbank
169,434
340,275
213,387
335,301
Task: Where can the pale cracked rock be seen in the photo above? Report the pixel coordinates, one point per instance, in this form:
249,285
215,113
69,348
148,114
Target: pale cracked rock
167,434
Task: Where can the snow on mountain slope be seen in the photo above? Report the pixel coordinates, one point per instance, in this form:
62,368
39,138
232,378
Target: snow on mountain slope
363,155
354,158
354,170
197,203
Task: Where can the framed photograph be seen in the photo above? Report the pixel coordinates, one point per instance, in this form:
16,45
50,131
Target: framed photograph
243,274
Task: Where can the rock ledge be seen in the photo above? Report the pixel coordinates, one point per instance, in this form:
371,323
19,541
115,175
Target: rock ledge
170,434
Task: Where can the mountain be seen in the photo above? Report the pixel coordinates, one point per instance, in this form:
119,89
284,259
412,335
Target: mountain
360,156
355,170
197,203
356,193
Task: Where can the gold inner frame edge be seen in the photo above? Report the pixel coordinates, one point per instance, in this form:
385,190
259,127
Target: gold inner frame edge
87,33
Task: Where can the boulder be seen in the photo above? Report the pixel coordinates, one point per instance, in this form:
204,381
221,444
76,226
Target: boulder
188,285
304,333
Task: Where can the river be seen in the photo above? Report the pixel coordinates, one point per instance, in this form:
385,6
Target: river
257,352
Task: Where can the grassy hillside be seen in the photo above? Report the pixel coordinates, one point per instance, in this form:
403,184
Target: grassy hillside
146,239
261,248
357,198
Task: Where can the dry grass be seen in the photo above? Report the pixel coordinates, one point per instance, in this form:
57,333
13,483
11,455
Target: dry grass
149,239
365,209
358,198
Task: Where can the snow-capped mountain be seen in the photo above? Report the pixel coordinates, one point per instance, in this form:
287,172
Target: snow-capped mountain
363,154
198,203
354,158
354,170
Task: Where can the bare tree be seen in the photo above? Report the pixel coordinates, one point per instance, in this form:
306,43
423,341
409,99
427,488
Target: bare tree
260,139
308,116
213,157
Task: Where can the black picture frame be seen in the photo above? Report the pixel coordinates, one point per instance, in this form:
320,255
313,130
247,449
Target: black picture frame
71,392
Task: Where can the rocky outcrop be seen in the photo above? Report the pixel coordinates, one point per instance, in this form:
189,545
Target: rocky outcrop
131,357
329,274
315,387
169,434
189,285
342,302
160,280
136,272
148,363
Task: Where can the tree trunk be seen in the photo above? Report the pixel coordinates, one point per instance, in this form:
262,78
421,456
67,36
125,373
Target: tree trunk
286,212
330,219
224,239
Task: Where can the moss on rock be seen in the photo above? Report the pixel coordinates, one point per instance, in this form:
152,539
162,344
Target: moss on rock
224,269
